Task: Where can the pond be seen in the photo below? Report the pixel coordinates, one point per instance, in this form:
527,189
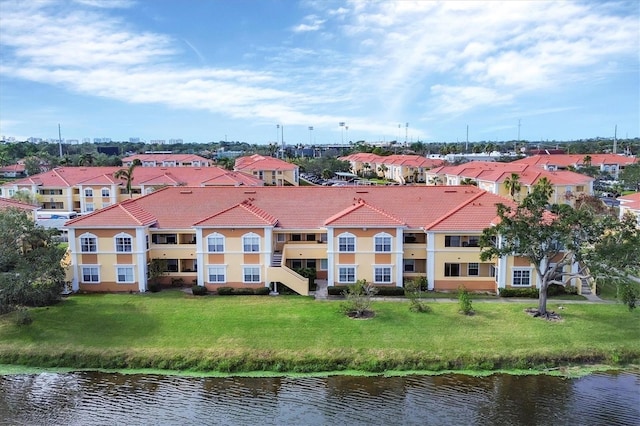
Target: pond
94,398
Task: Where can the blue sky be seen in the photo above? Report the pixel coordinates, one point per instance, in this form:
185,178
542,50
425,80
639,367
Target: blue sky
210,70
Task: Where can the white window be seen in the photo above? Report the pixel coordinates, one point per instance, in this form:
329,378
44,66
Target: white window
90,274
251,274
88,243
347,274
105,192
125,274
217,274
280,238
324,264
215,243
88,207
346,243
123,243
382,243
88,192
382,274
521,278
251,243
473,269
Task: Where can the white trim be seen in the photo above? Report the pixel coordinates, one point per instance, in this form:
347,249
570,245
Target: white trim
89,266
133,274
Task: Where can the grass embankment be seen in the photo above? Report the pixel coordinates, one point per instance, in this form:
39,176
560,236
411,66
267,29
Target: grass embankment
174,331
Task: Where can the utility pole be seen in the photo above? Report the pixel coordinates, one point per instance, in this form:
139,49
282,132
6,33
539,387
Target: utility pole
466,147
615,140
518,130
60,140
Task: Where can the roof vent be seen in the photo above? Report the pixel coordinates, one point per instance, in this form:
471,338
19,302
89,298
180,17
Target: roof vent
186,192
450,191
249,192
362,192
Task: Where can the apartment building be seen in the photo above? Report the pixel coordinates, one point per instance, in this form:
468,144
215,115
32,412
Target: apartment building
612,164
271,170
495,177
258,237
85,189
167,160
399,168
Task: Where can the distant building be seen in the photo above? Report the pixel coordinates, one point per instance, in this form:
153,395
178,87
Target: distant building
168,160
268,169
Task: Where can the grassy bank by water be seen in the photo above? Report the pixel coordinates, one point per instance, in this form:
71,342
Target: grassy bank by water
174,331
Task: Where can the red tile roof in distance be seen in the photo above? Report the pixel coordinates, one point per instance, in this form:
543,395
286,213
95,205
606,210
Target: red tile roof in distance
259,162
190,176
160,157
396,159
565,160
6,203
304,207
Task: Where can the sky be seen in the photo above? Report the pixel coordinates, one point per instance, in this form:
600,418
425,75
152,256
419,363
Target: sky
263,71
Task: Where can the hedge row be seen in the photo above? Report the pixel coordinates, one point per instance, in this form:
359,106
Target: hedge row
381,291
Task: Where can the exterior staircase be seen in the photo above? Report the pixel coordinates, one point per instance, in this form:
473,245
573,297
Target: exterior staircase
276,260
586,287
286,276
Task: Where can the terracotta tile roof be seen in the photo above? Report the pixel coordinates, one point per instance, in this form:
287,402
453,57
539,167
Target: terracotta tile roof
565,160
630,201
362,214
192,176
6,203
498,172
240,215
122,215
17,168
396,159
259,162
159,158
306,207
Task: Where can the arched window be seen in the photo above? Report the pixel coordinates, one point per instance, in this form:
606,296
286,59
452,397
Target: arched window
382,242
346,242
123,243
105,192
251,243
88,243
215,243
88,192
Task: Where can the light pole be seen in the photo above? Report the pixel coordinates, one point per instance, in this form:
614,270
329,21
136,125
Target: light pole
341,124
347,129
406,133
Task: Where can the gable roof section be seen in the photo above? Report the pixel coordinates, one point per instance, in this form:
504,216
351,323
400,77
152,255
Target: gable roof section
160,157
259,162
565,160
6,203
630,201
242,214
362,214
126,214
474,214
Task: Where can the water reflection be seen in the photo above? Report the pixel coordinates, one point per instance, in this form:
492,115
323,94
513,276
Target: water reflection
90,398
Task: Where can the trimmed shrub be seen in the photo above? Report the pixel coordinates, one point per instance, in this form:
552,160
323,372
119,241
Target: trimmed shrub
199,290
520,292
337,290
243,292
155,287
390,291
225,291
262,291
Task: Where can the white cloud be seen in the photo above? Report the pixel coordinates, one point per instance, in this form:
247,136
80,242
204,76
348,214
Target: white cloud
371,62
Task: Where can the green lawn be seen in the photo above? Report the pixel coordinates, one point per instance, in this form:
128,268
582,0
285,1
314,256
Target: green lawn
171,329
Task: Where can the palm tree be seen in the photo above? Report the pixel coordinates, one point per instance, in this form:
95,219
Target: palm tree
127,175
87,159
512,183
468,181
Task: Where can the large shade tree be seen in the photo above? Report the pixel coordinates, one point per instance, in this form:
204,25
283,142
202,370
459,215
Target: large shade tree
557,238
30,262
